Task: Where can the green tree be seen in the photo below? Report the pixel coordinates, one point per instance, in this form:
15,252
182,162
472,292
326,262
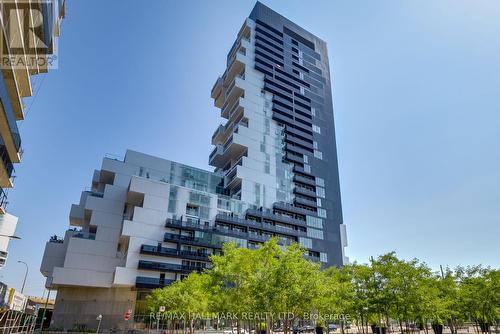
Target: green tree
295,283
230,281
479,295
337,294
186,299
361,275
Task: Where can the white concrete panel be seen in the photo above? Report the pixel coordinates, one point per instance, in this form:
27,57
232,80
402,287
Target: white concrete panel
80,277
149,186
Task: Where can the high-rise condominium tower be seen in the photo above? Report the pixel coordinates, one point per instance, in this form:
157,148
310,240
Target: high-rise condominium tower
148,221
277,149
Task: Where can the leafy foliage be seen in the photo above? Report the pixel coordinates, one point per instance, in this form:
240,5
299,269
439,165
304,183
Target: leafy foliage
273,280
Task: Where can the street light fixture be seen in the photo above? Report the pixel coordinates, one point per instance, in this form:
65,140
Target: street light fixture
25,274
10,236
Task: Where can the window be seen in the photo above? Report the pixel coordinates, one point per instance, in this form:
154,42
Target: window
318,201
307,168
318,154
323,257
172,200
192,210
305,242
314,221
315,144
313,233
321,213
199,198
316,129
306,159
320,182
320,192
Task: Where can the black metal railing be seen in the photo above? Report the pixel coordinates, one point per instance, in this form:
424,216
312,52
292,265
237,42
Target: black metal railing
163,251
151,282
152,265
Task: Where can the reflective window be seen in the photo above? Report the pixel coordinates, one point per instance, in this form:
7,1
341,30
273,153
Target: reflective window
313,233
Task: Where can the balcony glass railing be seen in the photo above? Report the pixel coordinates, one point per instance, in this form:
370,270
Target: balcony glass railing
229,111
6,160
3,200
152,265
232,85
261,226
220,129
220,149
84,235
151,282
162,251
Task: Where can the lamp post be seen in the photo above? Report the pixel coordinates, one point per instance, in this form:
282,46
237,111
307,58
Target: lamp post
25,275
99,318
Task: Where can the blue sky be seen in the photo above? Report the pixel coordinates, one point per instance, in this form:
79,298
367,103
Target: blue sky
416,89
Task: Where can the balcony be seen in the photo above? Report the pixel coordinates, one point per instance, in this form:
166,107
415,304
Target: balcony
216,137
291,208
217,92
13,91
190,240
230,110
151,282
240,45
6,169
3,201
172,252
268,214
95,194
231,149
222,132
160,266
77,215
304,180
304,191
234,90
176,223
84,235
305,201
258,225
231,180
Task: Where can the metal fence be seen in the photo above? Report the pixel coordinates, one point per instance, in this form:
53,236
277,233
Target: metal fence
15,322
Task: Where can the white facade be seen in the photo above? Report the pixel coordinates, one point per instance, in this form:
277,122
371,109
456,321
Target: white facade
251,172
110,224
8,224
